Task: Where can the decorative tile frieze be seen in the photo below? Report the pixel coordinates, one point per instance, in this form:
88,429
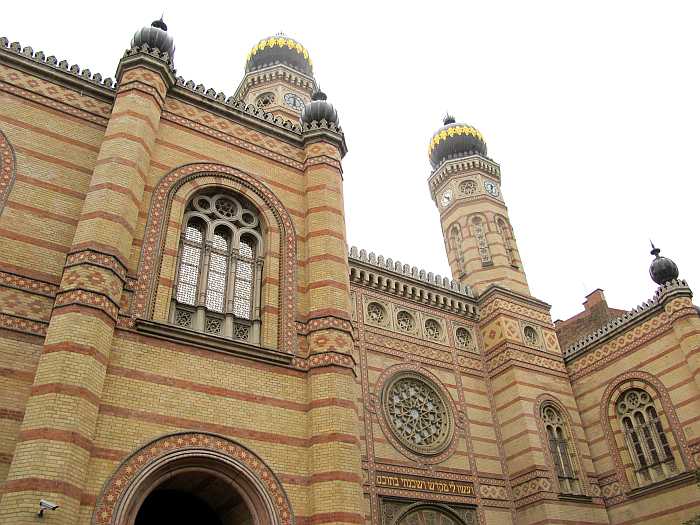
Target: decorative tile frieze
89,299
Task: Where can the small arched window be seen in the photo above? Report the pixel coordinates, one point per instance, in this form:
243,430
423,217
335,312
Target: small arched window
561,449
219,268
456,247
478,229
507,237
645,438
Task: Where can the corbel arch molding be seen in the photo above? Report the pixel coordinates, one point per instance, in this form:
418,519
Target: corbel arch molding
174,188
540,403
140,473
8,169
659,394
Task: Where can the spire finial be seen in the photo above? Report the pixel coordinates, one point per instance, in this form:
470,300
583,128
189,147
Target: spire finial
448,119
654,250
318,94
159,23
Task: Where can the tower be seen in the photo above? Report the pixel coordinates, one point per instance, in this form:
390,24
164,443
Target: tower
465,186
278,77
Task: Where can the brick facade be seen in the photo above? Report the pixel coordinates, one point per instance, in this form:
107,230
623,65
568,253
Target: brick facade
101,394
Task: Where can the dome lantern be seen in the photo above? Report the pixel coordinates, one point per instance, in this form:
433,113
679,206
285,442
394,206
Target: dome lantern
155,36
662,269
455,140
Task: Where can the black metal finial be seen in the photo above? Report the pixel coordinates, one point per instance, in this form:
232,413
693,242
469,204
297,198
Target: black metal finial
159,24
318,94
654,250
448,119
662,269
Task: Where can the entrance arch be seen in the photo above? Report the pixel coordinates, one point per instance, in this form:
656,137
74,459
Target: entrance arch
221,481
435,514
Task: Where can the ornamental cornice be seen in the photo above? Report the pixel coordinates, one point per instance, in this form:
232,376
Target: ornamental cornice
37,63
659,304
488,301
463,165
274,73
408,282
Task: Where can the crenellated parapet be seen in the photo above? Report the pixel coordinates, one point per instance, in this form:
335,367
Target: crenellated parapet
410,282
619,325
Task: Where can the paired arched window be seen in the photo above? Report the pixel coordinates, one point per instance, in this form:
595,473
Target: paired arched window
561,449
645,438
219,268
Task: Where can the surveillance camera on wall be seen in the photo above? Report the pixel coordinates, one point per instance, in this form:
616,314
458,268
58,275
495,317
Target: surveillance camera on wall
46,505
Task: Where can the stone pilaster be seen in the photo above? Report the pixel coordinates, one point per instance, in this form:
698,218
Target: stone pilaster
336,495
56,436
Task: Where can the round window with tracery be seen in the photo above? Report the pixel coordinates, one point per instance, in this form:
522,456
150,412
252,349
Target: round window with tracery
376,313
468,187
464,338
417,414
432,329
405,321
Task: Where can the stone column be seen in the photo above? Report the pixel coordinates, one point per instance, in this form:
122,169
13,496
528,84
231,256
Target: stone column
335,489
56,436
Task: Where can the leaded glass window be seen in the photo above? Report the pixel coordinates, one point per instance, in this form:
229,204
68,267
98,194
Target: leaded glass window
561,449
645,438
219,267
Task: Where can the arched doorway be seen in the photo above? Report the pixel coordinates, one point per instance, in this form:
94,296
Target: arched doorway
194,496
436,514
193,478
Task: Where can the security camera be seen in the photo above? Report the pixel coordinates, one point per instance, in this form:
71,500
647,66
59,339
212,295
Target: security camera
45,505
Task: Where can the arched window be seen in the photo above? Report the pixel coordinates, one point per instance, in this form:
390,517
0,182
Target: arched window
219,268
506,235
456,246
478,228
561,449
646,440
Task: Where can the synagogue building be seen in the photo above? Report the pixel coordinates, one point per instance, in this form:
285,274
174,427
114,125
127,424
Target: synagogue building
185,336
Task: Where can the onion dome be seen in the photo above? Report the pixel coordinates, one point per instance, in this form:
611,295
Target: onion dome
155,35
662,269
455,140
279,49
318,109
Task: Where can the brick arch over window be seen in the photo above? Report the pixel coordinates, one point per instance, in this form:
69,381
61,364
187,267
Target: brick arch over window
172,192
8,165
540,403
656,389
143,470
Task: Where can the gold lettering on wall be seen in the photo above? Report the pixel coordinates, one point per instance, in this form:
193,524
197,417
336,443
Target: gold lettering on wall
424,484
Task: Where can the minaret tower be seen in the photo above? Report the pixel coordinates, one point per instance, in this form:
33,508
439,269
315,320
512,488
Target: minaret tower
278,77
465,186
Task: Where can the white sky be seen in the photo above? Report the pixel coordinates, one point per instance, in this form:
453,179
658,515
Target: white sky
591,108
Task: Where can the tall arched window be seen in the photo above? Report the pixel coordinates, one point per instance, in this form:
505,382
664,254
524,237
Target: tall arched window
219,268
456,246
505,233
561,449
646,440
478,229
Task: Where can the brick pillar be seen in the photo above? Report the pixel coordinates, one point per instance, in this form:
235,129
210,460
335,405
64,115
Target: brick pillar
335,490
56,436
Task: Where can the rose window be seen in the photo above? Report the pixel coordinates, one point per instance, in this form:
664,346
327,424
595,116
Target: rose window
375,313
464,338
468,187
432,329
531,336
405,321
417,414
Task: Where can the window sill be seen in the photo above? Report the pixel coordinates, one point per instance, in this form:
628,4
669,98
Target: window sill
679,479
580,498
214,343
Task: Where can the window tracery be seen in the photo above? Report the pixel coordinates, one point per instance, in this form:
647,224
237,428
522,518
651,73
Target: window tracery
376,313
468,187
479,233
219,268
265,100
433,329
530,336
645,437
464,338
561,449
405,321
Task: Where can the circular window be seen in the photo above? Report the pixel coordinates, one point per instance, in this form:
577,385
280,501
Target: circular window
464,338
530,336
468,187
405,321
432,329
376,313
417,413
225,208
264,100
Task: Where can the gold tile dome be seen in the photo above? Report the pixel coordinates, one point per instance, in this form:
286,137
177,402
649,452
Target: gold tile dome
455,140
279,49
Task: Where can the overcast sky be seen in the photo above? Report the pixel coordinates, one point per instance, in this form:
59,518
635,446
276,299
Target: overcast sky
591,108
